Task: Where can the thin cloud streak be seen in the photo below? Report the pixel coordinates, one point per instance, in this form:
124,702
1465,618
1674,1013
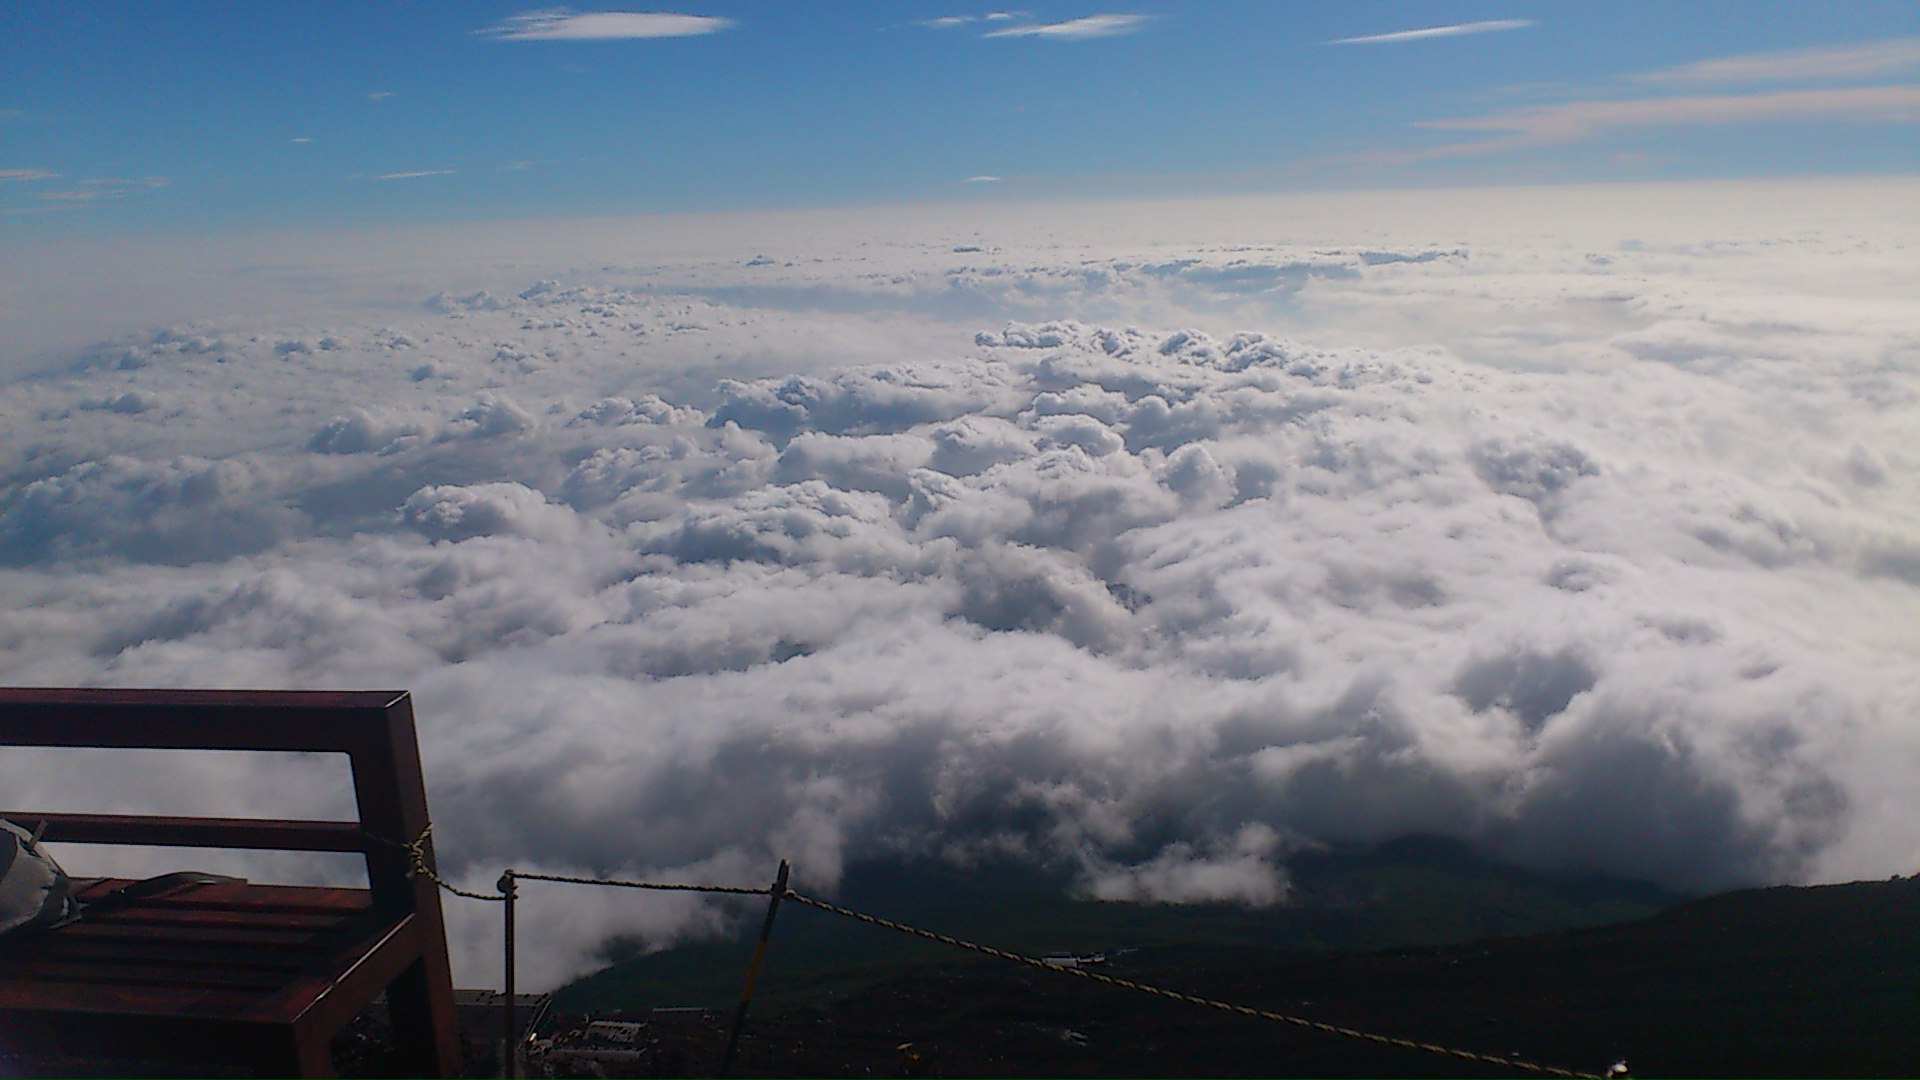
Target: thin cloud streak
414,175
981,180
1455,30
1857,61
1551,125
1579,119
104,188
27,174
1092,26
560,24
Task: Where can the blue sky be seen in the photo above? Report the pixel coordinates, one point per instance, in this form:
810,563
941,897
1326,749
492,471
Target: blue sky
215,117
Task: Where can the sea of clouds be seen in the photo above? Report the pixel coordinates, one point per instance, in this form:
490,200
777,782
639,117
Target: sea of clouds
1155,542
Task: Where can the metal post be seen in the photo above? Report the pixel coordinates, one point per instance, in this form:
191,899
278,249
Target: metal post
778,892
509,1037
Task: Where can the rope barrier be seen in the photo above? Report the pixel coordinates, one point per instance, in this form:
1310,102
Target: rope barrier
1174,995
725,890
416,851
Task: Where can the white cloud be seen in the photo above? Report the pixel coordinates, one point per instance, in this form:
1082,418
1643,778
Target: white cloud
1854,61
559,24
1091,26
301,139
1574,523
981,180
1243,872
953,22
381,95
1453,30
27,174
415,175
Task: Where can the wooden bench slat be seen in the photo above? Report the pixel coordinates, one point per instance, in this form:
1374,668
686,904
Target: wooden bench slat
236,898
198,934
27,972
52,996
107,952
339,721
254,984
259,834
347,904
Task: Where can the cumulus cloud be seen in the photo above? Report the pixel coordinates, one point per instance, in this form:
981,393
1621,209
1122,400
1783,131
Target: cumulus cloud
1090,26
1239,869
184,510
1586,538
560,24
1452,30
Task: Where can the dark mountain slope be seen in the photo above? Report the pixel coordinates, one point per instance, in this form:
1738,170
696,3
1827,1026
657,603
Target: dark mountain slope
1774,982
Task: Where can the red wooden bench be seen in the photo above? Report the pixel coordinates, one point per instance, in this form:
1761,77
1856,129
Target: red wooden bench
258,974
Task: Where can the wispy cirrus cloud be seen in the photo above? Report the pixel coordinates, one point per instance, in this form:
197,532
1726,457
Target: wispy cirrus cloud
954,22
1453,30
1091,26
981,180
1548,125
415,175
104,189
561,24
1855,61
380,95
27,174
1580,119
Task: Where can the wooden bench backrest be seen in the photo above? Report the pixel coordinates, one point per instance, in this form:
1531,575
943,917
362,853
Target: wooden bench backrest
398,945
373,728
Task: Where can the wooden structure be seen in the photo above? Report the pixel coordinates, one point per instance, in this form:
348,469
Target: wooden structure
264,975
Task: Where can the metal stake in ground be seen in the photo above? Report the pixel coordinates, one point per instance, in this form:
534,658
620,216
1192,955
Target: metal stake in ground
779,891
509,1038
